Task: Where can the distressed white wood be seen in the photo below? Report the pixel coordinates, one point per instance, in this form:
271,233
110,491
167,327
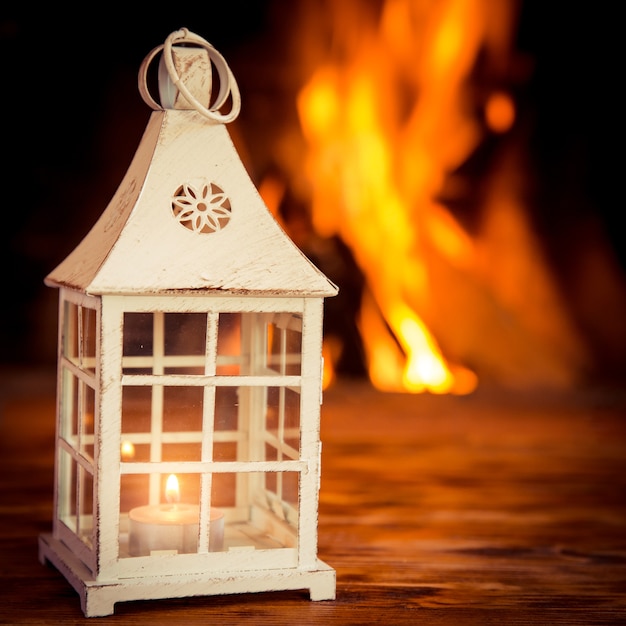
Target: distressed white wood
98,599
137,246
107,493
310,427
139,259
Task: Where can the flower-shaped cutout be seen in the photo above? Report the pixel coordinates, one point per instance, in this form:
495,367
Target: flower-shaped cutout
204,210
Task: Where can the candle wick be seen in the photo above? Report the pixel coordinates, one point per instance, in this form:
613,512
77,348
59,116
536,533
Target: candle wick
173,501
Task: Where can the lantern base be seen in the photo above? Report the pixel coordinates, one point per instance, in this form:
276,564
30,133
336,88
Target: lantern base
98,598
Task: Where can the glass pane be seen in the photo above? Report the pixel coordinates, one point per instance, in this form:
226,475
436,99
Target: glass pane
293,356
136,409
273,412
262,508
181,451
223,490
131,451
80,332
291,433
271,452
184,488
87,419
251,509
249,419
89,336
226,437
142,489
69,408
161,423
290,488
185,342
70,331
226,408
138,343
85,503
182,409
281,492
182,423
229,348
284,345
136,424
67,489
134,491
282,421
168,520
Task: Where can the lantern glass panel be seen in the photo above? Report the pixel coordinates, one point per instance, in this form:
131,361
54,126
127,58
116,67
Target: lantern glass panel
80,335
85,506
78,407
134,492
156,517
75,498
180,451
282,420
182,409
70,406
261,507
184,342
226,408
191,424
88,338
224,491
282,487
230,360
182,423
248,417
136,409
284,343
164,343
138,343
86,434
70,332
66,501
161,423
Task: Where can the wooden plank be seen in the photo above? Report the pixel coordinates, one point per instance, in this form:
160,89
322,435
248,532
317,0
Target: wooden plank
433,510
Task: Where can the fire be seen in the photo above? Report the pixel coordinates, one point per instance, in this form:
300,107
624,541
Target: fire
397,98
376,170
172,489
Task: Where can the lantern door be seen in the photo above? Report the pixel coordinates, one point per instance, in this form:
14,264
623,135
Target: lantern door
218,449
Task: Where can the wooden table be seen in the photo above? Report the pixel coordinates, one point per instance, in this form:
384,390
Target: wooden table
488,509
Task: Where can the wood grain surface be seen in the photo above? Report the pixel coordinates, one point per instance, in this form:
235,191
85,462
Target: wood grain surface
489,509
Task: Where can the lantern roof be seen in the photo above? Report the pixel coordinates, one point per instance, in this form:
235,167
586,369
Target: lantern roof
188,218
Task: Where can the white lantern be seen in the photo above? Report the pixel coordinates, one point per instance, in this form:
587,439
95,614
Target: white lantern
189,371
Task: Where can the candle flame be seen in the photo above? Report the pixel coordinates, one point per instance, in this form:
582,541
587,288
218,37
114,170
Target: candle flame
172,490
127,450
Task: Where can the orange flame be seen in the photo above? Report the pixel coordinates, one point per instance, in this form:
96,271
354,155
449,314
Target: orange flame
378,157
172,489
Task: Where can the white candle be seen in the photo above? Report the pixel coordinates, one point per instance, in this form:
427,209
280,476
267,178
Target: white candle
172,526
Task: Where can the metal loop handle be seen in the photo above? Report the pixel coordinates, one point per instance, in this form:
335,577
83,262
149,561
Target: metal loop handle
228,84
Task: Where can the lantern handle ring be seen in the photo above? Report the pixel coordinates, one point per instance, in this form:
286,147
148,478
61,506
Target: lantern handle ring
228,84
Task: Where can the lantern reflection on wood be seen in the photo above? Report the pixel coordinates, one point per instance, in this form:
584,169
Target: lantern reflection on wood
190,338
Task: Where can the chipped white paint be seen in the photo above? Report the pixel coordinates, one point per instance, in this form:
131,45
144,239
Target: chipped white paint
186,238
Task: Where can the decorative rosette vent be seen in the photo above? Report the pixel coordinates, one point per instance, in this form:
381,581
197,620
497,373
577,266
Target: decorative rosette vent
187,67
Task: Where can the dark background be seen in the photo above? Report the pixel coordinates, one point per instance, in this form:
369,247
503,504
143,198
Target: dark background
72,118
